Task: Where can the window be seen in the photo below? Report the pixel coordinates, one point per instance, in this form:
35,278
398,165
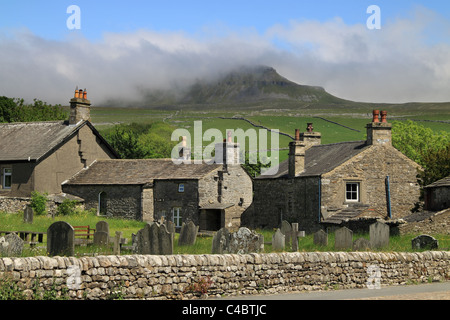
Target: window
102,203
7,178
176,217
181,187
352,192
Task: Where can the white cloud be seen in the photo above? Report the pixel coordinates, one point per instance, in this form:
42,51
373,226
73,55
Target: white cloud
399,63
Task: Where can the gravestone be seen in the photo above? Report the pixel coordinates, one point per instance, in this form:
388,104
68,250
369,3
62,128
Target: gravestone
424,242
101,235
60,239
188,234
343,238
220,241
278,240
379,235
117,240
11,245
28,214
321,238
101,238
154,239
245,241
286,229
102,226
361,244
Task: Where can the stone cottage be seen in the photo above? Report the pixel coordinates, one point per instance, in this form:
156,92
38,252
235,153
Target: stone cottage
326,185
437,195
39,156
211,194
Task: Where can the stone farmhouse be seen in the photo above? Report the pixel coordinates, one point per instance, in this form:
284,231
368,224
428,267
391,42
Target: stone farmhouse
211,194
39,156
327,185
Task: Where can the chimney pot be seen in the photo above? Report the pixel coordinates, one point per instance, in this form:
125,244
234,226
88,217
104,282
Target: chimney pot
310,127
375,115
297,135
383,116
76,92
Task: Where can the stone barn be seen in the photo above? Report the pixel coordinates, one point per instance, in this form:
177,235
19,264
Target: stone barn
326,185
212,195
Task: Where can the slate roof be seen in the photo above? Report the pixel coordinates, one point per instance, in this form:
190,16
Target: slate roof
138,172
445,182
320,159
31,141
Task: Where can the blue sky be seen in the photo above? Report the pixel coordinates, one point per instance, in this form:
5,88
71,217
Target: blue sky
141,45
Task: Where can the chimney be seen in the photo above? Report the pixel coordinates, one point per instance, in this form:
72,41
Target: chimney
227,152
310,138
296,156
80,107
379,133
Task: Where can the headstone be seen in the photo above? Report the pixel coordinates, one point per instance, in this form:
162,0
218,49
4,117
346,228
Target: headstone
154,239
278,240
294,235
101,238
424,242
361,244
286,229
102,226
343,238
188,234
379,235
60,239
117,241
11,245
170,226
321,238
245,241
220,241
28,214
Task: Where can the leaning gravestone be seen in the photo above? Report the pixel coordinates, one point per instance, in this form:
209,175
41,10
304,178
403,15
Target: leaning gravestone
188,234
278,240
361,244
28,214
379,235
60,239
321,238
424,242
245,241
153,239
343,238
220,241
11,245
286,229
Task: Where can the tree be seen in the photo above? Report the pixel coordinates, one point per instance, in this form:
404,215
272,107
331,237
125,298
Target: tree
7,109
15,110
436,166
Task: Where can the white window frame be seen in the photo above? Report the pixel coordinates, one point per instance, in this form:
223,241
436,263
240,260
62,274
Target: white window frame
99,213
176,216
352,192
6,174
181,187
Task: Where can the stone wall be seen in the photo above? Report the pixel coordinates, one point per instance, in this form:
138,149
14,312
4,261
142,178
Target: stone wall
18,204
171,277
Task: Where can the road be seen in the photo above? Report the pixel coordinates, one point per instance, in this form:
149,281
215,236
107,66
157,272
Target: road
432,291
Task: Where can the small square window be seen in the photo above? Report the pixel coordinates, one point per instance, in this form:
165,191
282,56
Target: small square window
181,187
352,192
7,178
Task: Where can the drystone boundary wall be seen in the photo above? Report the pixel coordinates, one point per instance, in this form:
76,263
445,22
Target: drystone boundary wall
182,276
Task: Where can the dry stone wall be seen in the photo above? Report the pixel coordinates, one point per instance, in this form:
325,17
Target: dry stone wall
174,276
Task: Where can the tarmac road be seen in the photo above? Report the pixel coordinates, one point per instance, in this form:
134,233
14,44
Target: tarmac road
432,291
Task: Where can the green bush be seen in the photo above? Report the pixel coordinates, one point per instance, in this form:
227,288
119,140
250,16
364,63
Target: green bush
67,207
39,202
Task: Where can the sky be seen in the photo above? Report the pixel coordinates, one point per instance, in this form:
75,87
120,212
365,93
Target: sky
120,49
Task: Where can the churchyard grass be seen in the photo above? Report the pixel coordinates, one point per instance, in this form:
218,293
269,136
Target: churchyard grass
203,244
